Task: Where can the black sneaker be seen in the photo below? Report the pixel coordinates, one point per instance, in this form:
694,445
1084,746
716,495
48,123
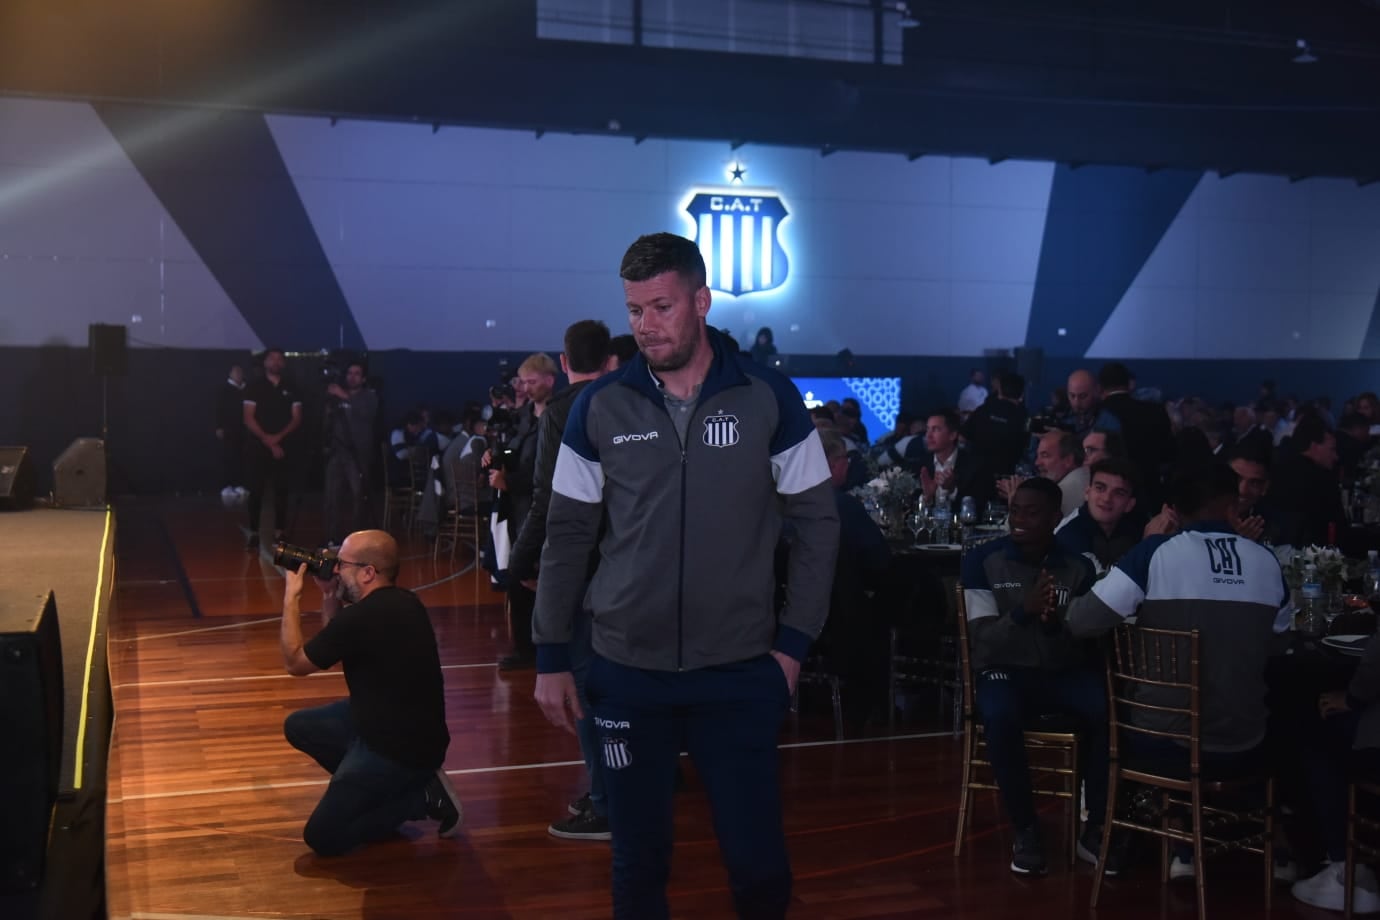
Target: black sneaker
1028,852
586,826
580,806
443,804
252,544
1090,844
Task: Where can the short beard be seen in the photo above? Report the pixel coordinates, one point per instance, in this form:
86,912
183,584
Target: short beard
675,361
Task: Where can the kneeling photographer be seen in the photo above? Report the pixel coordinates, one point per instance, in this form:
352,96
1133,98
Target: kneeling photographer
383,746
512,465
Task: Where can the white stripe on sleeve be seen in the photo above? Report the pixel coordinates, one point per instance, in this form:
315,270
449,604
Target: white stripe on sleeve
801,466
1120,592
979,603
578,478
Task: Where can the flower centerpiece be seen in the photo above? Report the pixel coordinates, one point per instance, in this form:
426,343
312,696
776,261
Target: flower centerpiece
887,498
1332,566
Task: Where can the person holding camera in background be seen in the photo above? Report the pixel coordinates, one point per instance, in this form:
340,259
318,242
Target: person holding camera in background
351,411
383,746
586,357
512,465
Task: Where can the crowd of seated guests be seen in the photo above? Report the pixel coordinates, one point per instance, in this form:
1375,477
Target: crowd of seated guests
1128,500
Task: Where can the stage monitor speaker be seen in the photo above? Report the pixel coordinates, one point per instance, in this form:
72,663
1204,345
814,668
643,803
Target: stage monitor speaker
79,474
107,350
16,478
31,707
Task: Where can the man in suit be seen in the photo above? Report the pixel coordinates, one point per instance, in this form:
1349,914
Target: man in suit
946,472
1305,485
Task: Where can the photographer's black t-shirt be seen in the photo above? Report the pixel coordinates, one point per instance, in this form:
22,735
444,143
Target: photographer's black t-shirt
388,650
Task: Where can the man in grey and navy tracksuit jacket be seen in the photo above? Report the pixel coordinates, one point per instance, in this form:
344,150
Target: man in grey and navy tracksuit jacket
691,458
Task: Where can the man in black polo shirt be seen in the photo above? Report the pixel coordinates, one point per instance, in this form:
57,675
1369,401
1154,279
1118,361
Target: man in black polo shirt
1025,665
384,746
272,411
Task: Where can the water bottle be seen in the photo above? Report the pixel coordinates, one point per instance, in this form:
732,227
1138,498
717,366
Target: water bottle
1312,613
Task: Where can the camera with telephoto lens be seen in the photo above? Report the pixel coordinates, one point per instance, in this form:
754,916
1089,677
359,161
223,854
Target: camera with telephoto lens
320,562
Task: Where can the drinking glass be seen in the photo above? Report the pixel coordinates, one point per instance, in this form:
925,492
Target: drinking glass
917,523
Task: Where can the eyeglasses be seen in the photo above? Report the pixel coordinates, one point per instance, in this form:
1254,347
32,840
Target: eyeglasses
348,562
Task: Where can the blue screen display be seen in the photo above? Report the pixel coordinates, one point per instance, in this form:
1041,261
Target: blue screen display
879,397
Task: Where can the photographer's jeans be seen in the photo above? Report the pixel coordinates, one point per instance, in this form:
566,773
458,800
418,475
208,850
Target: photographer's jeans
369,796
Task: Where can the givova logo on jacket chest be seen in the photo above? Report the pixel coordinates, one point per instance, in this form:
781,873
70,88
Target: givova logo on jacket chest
721,430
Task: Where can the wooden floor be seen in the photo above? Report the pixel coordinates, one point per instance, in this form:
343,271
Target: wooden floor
207,801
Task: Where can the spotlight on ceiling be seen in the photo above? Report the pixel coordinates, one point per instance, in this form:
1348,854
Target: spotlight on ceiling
907,21
1305,55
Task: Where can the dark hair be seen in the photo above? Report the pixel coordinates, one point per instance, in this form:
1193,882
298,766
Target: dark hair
1251,452
822,412
765,330
904,418
1116,444
1311,429
850,401
1114,376
1071,445
1012,385
1194,490
273,349
413,417
1116,466
659,253
1353,420
950,417
850,409
587,346
1046,487
624,347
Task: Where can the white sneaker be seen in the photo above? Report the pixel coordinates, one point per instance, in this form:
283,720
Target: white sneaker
1327,890
1179,868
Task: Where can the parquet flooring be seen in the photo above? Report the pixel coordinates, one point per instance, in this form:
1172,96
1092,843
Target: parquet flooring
207,800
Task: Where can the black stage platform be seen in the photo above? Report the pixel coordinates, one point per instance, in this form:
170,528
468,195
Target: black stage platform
72,554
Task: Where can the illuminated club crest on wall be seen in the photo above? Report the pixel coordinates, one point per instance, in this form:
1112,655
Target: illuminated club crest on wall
738,234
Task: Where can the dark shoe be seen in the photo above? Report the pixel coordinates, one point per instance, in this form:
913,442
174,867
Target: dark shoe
443,804
1028,852
1090,844
587,826
516,662
252,544
580,806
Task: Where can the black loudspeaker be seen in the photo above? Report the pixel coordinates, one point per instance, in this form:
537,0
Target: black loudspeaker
79,474
31,704
107,350
16,479
1030,364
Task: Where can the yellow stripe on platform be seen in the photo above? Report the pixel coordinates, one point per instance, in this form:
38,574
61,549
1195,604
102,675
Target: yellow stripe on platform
91,653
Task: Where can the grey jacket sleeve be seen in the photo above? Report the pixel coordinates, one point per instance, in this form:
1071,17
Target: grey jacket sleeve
572,535
527,550
813,516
